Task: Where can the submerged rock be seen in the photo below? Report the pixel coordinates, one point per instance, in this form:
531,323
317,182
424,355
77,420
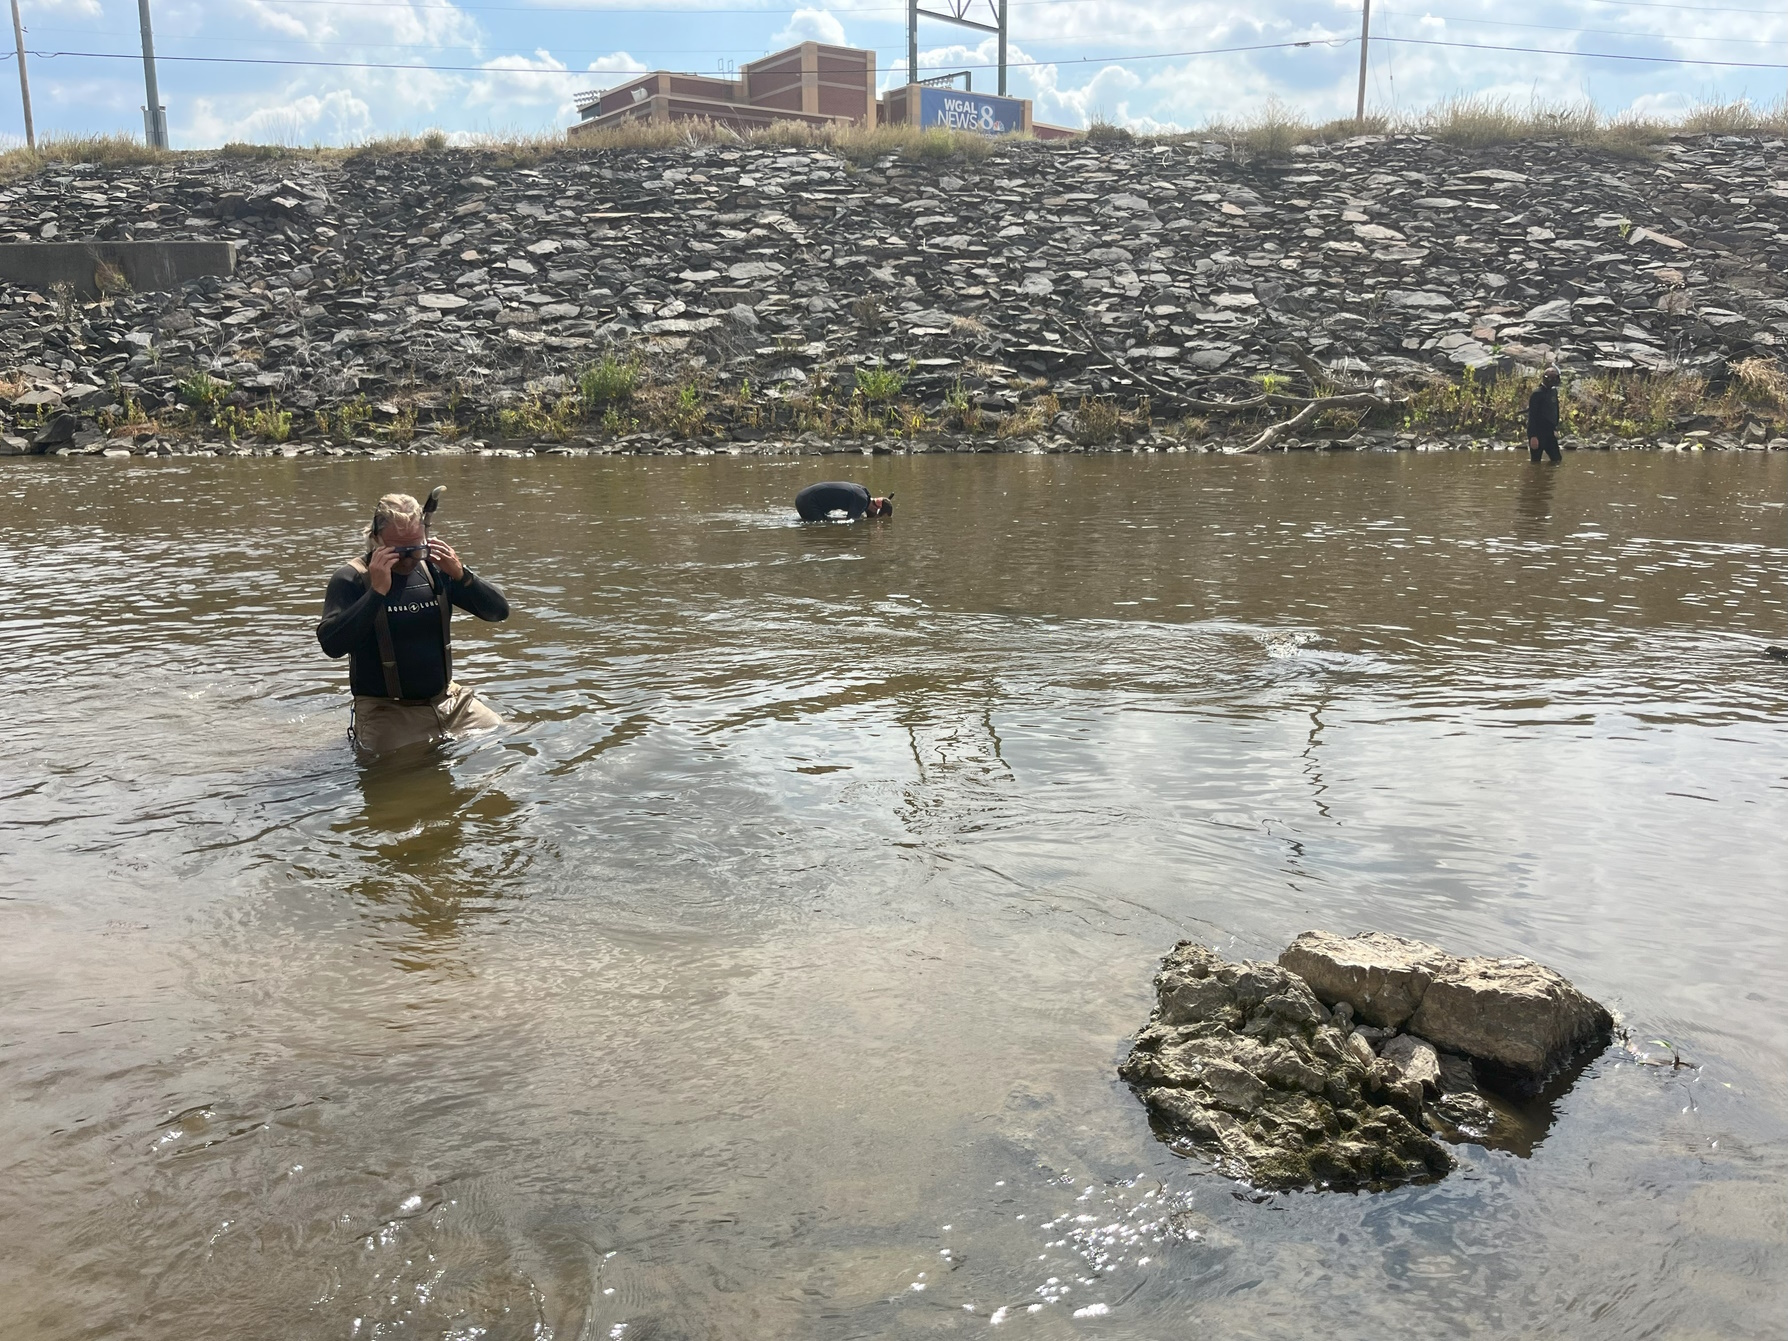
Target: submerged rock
1263,1068
1243,1062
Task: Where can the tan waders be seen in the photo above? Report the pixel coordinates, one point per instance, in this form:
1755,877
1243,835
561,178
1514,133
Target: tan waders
382,724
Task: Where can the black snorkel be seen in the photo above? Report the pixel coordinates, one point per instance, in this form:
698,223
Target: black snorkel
429,507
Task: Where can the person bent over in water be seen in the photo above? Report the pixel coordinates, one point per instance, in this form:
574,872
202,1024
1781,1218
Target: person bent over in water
390,613
819,501
1542,419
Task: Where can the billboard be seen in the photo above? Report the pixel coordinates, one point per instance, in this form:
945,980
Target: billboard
952,110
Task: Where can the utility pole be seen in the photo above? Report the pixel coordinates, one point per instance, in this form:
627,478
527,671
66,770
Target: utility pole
18,37
1002,48
155,116
1365,42
912,41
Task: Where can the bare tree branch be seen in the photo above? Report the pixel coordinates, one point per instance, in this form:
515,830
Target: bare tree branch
1359,400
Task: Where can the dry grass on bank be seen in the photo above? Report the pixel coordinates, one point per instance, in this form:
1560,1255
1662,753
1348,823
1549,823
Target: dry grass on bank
857,143
860,144
1469,122
1481,122
100,150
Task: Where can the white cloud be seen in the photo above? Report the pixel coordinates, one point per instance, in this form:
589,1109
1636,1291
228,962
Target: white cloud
618,62
336,117
81,9
278,20
392,23
1105,97
1661,106
514,81
810,25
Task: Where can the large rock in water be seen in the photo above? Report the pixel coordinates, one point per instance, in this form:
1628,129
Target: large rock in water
1263,1068
1243,1062
1383,977
1518,1020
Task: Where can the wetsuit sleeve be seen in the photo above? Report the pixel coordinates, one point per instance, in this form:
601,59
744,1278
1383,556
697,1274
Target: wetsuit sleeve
1533,415
474,595
348,610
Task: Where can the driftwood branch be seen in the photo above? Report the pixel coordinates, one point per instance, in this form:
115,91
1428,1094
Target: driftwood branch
1358,400
1308,407
1092,342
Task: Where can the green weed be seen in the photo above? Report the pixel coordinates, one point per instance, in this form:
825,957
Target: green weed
879,385
271,423
611,381
201,389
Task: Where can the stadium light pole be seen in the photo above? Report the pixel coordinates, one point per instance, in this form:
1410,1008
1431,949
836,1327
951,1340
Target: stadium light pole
1365,42
912,41
1002,48
18,37
155,118
957,12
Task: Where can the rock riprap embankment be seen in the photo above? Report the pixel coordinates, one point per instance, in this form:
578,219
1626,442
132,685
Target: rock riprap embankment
412,299
1349,1062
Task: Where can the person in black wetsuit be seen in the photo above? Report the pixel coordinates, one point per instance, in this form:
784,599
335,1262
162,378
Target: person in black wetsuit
389,613
1542,419
819,501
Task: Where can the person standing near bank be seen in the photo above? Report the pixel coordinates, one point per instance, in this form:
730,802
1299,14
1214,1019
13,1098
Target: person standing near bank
819,501
390,613
1542,419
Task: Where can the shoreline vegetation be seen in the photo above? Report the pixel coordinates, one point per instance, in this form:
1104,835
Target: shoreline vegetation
631,384
623,404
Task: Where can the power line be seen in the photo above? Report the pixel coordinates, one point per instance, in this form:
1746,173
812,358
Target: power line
745,11
238,40
1329,43
1658,4
1566,28
748,11
1334,43
1585,55
498,69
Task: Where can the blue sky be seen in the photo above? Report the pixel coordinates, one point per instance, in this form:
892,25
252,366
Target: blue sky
512,66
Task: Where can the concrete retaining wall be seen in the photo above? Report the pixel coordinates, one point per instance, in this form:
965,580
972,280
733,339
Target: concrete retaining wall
90,267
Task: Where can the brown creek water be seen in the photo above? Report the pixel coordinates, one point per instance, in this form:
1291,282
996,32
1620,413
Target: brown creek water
766,976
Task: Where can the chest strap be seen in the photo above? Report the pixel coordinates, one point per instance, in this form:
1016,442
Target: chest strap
394,687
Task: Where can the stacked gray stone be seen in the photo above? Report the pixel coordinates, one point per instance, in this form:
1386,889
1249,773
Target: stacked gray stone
1174,271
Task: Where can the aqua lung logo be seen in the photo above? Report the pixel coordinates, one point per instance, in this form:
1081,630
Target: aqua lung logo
967,111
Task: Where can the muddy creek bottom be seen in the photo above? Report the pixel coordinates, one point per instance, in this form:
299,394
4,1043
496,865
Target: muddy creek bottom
766,975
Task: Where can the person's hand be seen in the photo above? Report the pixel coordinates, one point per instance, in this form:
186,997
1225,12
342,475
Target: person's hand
378,569
441,554
1533,444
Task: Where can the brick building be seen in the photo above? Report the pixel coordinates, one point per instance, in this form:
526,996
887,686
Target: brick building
812,83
